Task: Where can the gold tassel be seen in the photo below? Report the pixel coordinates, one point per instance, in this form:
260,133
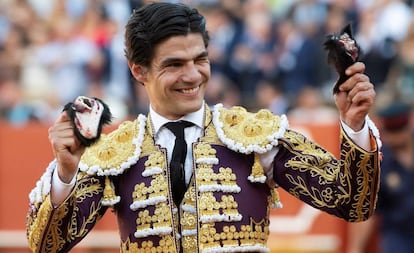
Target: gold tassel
275,198
109,197
257,174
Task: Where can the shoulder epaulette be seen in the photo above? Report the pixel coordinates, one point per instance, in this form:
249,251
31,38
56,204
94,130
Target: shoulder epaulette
247,132
115,152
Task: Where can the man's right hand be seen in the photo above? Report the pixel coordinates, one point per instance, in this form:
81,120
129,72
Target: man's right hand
66,147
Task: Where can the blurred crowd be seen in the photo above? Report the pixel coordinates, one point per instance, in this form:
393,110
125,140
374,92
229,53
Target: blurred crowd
264,53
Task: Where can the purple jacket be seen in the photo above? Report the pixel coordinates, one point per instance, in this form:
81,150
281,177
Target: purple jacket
229,197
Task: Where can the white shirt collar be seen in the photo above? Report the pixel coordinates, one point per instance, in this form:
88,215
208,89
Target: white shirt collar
197,118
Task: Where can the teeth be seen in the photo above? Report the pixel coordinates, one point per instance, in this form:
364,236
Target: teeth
187,91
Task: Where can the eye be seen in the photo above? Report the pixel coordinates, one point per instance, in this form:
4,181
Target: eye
87,102
202,60
174,65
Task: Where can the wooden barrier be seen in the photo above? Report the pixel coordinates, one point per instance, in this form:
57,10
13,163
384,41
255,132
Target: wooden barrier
25,153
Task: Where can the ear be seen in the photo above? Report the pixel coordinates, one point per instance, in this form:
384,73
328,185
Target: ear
139,72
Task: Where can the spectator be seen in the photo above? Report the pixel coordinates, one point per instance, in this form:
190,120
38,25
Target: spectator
395,208
71,59
270,96
400,81
310,108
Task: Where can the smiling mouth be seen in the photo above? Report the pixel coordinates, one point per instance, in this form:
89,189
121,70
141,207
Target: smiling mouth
189,91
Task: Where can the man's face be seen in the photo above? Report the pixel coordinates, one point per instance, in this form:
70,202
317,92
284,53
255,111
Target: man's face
177,78
398,139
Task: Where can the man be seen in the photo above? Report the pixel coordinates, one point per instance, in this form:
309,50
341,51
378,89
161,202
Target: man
234,163
394,216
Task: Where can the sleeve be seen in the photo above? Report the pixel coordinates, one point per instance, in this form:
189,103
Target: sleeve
58,229
60,190
361,138
346,188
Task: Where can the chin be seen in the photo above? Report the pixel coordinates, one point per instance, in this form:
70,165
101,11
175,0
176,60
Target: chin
196,105
190,107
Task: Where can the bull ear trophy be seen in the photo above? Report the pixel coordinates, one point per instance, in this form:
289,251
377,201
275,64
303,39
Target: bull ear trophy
88,116
343,51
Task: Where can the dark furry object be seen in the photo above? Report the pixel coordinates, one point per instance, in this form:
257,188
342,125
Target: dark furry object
88,115
343,51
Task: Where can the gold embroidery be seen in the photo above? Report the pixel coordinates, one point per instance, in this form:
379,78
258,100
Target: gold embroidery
86,187
204,150
112,150
80,230
250,237
157,224
208,205
155,160
148,145
275,198
48,226
155,193
229,205
160,221
162,216
333,177
315,161
143,220
36,229
210,133
226,176
140,192
206,175
246,132
109,197
54,232
189,220
207,237
257,174
158,187
368,174
189,244
165,244
211,210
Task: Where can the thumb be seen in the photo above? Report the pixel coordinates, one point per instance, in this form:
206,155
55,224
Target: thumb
63,117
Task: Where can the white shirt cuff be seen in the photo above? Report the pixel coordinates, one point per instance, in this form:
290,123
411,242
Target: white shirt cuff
60,190
361,138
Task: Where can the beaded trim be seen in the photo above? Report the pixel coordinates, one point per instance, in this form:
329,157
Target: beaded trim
43,185
375,131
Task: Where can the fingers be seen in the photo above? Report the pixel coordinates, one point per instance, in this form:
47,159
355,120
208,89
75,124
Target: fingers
61,128
352,81
358,90
357,67
61,134
361,91
66,147
358,87
356,96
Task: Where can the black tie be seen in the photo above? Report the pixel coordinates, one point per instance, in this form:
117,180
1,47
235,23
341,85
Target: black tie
177,174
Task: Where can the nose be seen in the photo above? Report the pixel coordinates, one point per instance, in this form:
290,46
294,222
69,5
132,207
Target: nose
191,73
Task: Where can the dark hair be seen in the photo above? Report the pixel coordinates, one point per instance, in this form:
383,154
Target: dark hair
153,23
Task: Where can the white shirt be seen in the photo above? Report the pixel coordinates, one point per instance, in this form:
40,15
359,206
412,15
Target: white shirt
165,138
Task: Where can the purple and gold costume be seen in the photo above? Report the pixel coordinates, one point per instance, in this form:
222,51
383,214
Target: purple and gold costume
227,203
